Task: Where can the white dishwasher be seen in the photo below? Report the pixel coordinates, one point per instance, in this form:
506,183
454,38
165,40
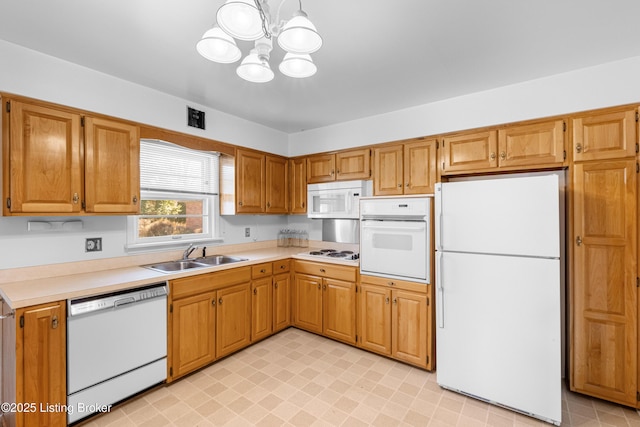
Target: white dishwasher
116,347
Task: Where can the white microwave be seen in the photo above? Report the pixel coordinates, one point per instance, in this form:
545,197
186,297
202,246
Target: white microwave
338,199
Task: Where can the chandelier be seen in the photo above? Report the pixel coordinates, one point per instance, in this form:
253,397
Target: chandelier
251,20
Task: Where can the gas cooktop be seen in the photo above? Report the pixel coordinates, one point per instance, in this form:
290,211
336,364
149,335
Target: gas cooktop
333,253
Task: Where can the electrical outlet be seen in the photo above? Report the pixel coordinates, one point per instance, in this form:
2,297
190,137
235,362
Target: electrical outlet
247,232
93,244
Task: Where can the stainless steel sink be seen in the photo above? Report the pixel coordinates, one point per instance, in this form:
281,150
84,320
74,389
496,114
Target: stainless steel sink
219,259
189,264
180,265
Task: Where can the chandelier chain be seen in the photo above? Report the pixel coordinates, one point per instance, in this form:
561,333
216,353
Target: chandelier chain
263,17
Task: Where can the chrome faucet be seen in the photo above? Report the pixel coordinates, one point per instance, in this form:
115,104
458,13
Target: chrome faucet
188,251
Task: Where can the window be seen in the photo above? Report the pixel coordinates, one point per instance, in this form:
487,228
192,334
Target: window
179,196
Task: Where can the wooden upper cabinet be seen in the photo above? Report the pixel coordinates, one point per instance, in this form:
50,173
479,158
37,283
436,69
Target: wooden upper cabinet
353,164
298,187
469,151
538,144
606,135
345,165
250,189
388,174
277,185
408,168
321,168
112,166
604,293
43,157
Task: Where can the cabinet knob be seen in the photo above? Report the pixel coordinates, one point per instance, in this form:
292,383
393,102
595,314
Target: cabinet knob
386,300
213,302
275,285
318,285
399,185
492,156
135,200
578,148
322,270
268,204
395,301
579,241
220,301
255,291
239,203
391,284
338,171
407,185
324,287
503,155
282,267
54,322
76,198
263,271
331,172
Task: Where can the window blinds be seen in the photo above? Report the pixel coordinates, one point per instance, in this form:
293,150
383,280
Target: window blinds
169,167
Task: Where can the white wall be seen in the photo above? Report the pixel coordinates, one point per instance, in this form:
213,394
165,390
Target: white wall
33,74
610,84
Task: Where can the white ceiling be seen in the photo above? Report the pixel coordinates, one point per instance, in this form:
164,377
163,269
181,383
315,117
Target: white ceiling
378,56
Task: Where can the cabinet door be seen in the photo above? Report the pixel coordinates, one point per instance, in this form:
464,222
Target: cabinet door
387,171
44,161
112,166
41,364
193,331
298,193
604,293
281,301
277,185
420,167
374,312
307,303
261,308
233,319
339,310
468,152
321,168
539,144
605,136
353,164
250,189
409,327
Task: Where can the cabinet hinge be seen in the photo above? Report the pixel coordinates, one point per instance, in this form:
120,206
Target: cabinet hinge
637,116
170,372
22,321
356,338
170,308
437,144
427,360
8,106
638,396
638,282
8,202
84,204
637,148
637,168
82,121
564,155
564,126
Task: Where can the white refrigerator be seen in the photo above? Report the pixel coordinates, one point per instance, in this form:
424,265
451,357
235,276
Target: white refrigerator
498,291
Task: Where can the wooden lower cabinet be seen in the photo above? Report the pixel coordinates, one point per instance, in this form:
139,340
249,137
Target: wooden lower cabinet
604,291
34,364
338,313
395,318
307,303
209,318
261,308
193,332
281,301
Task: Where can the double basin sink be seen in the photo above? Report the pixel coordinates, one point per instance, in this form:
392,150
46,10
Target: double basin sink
189,264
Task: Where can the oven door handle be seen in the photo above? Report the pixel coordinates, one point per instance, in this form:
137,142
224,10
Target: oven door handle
380,225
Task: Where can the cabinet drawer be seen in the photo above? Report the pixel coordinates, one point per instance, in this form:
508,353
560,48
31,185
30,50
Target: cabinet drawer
194,285
282,266
341,272
395,284
261,270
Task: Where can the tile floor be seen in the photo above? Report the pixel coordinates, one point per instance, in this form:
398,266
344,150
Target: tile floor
299,379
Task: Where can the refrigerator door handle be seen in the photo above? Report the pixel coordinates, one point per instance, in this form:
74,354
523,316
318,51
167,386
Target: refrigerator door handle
439,290
439,218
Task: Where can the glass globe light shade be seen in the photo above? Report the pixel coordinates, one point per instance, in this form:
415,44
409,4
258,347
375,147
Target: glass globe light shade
218,46
240,19
298,66
255,70
299,35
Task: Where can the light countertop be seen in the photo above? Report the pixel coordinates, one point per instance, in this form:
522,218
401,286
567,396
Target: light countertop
33,291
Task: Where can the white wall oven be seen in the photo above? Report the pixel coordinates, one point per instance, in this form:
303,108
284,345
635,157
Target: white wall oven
395,237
